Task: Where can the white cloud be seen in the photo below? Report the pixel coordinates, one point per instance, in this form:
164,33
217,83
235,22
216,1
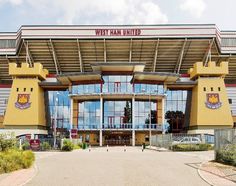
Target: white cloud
97,11
194,7
13,2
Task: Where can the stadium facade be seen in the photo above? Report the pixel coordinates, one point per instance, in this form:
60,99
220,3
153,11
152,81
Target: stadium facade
117,84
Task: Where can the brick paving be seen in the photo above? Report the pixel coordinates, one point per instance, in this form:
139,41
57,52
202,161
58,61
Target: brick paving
218,174
17,178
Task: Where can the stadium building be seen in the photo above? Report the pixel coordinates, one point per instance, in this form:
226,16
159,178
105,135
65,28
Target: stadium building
117,84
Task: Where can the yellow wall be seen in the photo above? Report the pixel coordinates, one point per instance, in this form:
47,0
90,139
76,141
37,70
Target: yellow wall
211,70
140,138
93,137
26,81
75,113
27,71
1,121
32,116
159,112
202,116
234,119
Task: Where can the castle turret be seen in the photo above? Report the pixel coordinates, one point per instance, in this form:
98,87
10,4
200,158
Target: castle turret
26,108
210,108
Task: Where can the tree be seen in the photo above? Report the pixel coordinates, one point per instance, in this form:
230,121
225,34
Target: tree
127,113
175,120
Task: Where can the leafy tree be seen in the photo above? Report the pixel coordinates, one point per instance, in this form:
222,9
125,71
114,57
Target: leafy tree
174,118
127,113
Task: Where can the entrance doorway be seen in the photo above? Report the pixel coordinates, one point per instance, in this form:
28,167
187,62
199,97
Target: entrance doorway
117,138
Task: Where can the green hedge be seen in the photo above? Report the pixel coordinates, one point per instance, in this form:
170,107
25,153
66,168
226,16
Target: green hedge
13,159
67,145
45,146
227,155
6,144
191,147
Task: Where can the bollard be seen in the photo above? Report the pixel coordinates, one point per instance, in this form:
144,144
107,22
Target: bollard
89,148
107,148
125,148
20,146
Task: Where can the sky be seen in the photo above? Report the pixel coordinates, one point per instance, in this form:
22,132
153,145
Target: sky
14,13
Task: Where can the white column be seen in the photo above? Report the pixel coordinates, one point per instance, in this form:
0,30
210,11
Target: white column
133,137
101,123
163,113
133,124
71,115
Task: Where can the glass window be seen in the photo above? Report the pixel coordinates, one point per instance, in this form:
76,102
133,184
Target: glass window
117,84
88,112
142,114
59,100
81,89
117,112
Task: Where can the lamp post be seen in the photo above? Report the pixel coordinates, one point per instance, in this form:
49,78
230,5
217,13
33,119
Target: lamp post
55,122
150,117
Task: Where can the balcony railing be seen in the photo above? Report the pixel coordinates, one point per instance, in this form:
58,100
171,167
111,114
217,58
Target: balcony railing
88,127
117,126
148,126
122,126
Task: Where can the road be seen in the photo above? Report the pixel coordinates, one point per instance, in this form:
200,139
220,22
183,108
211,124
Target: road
117,167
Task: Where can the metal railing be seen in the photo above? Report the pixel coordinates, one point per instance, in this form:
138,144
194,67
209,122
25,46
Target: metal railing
225,146
117,126
167,140
158,127
88,127
147,126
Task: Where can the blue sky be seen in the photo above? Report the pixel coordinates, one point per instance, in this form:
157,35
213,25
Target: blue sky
14,13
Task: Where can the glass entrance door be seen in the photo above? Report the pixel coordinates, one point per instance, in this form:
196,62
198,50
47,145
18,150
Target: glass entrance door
118,138
111,121
117,87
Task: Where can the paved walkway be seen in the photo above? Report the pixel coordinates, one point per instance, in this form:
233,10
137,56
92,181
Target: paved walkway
218,174
117,167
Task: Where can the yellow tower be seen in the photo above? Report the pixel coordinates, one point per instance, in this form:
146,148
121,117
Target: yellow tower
210,108
26,107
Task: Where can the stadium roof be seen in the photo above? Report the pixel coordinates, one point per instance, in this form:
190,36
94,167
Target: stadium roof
76,48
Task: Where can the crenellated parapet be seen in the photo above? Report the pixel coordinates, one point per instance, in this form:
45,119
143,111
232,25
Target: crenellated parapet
26,71
211,70
26,105
210,108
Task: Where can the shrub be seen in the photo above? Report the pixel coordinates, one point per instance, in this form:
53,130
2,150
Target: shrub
78,146
45,146
6,144
12,160
26,145
67,145
84,145
191,147
28,158
227,155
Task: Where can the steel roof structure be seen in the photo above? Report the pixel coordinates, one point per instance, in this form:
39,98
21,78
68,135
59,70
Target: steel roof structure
162,48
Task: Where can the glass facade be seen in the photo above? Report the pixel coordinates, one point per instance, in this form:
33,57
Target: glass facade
116,84
142,114
148,88
89,115
59,103
117,114
86,89
175,110
176,100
